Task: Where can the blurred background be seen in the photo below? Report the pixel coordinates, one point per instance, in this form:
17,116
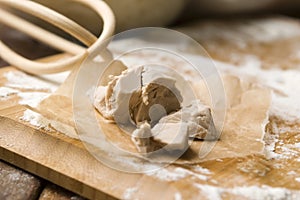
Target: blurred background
139,13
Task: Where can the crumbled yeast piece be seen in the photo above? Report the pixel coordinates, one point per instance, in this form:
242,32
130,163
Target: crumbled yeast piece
147,97
197,118
129,96
173,136
141,137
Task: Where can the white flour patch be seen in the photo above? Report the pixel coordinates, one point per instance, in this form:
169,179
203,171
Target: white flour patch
175,174
249,192
31,91
297,179
270,142
296,145
37,120
167,175
211,192
287,151
283,83
291,173
286,94
32,98
6,92
202,170
20,80
128,194
177,196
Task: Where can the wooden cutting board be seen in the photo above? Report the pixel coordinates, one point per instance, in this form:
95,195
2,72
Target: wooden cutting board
65,162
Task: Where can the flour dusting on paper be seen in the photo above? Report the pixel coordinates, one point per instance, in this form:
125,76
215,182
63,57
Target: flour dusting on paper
249,192
129,193
286,94
5,92
177,196
176,174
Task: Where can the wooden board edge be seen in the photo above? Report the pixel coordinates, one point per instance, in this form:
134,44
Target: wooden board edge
12,156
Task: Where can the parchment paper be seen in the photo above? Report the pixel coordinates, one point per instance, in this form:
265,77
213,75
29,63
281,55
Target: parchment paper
246,117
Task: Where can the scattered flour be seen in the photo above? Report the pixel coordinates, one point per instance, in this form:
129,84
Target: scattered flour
297,179
262,30
37,120
211,192
283,83
175,174
177,196
32,98
20,80
6,92
167,175
291,173
287,151
271,140
249,192
202,170
286,94
296,145
128,194
32,90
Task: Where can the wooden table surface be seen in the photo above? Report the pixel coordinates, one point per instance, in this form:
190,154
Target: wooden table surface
16,184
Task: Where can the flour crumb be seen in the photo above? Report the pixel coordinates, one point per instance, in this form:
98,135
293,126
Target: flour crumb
211,192
176,174
249,192
202,170
37,120
32,98
129,192
291,173
6,92
177,196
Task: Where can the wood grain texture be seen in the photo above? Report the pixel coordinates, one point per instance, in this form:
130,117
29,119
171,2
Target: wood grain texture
67,165
16,184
